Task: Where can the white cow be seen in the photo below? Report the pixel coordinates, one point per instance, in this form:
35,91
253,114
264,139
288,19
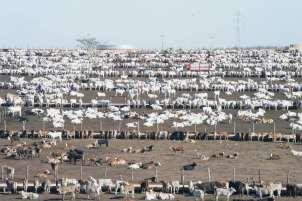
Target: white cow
166,196
225,192
106,183
175,186
93,188
29,195
69,182
197,193
55,135
296,153
135,166
272,187
151,195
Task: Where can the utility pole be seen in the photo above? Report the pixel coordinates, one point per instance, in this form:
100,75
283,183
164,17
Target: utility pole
162,41
238,34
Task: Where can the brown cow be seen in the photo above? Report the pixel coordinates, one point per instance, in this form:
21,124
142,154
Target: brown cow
177,148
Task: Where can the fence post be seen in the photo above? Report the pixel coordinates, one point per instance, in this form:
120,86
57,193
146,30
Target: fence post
182,179
156,176
81,175
27,168
131,174
209,174
234,174
2,175
287,177
105,173
57,173
259,175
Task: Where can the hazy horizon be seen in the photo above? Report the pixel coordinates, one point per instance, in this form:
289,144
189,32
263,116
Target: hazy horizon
141,24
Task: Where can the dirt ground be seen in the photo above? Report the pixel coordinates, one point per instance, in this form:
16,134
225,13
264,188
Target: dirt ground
252,157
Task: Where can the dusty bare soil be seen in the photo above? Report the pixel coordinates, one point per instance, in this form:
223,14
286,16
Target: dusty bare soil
252,157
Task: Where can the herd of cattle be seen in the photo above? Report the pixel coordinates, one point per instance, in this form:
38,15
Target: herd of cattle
137,91
152,188
160,135
125,81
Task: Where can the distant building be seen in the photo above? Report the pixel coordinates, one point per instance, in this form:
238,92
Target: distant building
297,46
114,47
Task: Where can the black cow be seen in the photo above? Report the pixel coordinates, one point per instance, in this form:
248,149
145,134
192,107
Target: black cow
238,186
75,155
190,166
293,190
103,141
209,187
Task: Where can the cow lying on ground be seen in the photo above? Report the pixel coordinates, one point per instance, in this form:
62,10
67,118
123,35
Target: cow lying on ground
151,195
29,195
177,148
190,166
116,162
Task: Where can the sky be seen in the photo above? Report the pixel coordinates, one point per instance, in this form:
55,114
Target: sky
146,23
